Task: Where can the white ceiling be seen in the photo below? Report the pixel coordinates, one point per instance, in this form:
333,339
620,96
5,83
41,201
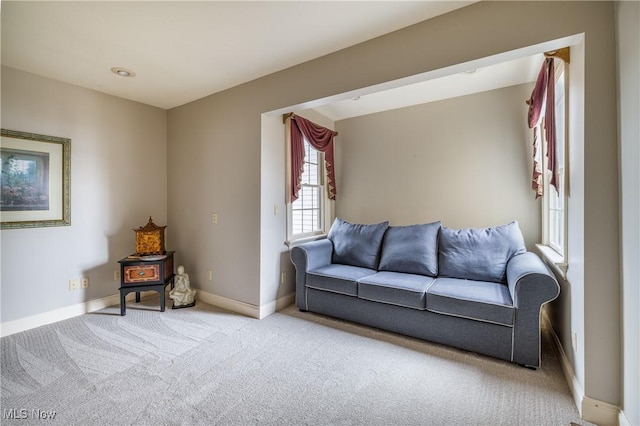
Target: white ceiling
182,51
453,84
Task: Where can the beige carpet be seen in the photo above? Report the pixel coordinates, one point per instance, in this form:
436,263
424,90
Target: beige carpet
204,365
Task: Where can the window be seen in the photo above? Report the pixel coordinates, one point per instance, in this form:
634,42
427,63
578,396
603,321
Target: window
306,211
555,210
308,215
554,202
310,179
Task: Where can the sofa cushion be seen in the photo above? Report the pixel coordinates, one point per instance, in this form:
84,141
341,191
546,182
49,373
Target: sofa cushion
337,278
412,249
395,288
479,300
479,254
356,244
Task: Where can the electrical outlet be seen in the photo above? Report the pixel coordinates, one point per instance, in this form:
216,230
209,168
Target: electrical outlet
214,218
116,275
73,285
574,340
210,274
84,282
283,278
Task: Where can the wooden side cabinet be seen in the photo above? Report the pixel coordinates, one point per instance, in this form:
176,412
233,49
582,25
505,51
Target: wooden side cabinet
144,273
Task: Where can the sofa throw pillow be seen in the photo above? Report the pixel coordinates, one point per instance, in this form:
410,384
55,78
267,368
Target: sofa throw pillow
411,249
479,253
357,244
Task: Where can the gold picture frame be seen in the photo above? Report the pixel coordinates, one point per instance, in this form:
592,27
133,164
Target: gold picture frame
35,181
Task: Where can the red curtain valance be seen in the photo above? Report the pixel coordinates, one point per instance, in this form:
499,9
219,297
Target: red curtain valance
544,89
321,139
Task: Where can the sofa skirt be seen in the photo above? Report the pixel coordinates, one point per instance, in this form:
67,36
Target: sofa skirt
490,339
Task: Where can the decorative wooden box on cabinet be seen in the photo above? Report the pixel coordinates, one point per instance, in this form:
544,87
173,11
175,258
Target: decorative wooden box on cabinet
144,273
150,239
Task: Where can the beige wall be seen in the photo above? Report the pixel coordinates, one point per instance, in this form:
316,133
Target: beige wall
465,161
215,145
274,254
628,16
118,180
215,165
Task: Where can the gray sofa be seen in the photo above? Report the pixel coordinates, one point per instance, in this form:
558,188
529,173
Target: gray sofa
473,289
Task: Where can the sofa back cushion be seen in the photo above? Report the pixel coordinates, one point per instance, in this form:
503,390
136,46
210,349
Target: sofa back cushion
357,244
411,249
479,254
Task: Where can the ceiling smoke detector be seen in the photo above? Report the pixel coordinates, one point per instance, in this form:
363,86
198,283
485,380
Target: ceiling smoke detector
123,72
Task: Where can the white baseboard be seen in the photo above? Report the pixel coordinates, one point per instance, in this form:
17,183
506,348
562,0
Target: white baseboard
599,412
11,327
574,385
623,420
8,328
244,308
232,305
591,410
276,305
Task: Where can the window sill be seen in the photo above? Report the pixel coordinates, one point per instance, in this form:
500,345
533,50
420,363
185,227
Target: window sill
554,260
299,241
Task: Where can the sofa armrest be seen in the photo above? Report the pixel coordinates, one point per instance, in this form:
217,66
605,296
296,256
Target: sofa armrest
531,285
530,280
307,257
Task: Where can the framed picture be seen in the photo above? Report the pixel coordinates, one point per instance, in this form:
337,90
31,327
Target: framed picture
36,180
